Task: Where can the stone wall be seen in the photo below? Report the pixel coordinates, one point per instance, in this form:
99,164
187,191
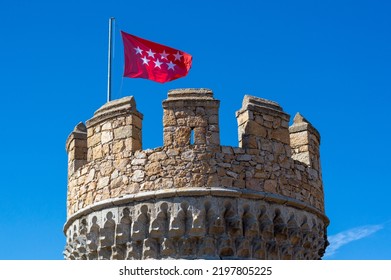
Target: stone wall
273,164
163,168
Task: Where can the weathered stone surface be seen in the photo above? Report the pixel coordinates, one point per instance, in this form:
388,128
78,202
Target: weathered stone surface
139,161
182,136
106,136
93,140
188,155
157,156
270,186
91,176
299,139
118,147
138,176
103,182
107,126
153,168
134,120
123,132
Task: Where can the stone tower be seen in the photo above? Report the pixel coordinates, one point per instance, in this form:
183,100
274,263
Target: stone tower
193,198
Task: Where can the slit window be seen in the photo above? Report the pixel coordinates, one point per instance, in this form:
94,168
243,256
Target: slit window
192,136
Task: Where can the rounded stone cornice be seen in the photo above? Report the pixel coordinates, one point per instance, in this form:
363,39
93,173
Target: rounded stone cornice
196,192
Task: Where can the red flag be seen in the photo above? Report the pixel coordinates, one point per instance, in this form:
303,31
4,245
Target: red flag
149,60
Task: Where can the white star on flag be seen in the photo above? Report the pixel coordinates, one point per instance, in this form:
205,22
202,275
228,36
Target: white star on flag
151,53
178,56
145,60
158,63
164,55
138,50
171,66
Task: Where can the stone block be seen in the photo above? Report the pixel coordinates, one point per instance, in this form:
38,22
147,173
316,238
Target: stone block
188,155
123,132
213,181
132,144
134,121
244,157
227,182
97,152
244,117
168,139
232,174
239,183
180,182
153,168
103,182
199,135
256,129
270,186
139,161
197,122
182,136
198,180
118,146
302,157
157,156
106,136
298,139
106,126
169,118
281,135
138,176
93,140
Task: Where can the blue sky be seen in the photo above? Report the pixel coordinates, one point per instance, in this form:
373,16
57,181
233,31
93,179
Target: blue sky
330,60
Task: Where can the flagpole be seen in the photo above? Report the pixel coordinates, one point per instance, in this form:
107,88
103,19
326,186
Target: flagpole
111,20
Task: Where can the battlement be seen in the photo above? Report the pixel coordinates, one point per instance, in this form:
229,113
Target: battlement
190,117
261,121
273,162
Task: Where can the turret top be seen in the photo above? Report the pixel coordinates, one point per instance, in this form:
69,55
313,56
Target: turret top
112,109
190,93
125,103
249,100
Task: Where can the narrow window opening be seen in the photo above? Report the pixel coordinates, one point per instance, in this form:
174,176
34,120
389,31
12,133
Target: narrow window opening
192,136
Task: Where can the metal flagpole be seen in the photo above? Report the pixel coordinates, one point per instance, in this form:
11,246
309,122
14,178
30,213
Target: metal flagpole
111,20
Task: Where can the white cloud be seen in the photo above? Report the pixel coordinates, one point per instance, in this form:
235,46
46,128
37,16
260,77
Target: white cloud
340,239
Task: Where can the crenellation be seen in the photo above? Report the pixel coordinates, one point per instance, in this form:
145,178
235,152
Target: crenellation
190,112
114,128
305,141
193,198
76,147
261,121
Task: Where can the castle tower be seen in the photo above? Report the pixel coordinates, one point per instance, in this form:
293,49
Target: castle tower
193,198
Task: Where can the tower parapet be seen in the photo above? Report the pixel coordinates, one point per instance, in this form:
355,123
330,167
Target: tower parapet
193,198
190,117
305,142
114,128
261,121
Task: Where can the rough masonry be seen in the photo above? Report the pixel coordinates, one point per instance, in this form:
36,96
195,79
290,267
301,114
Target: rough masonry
193,198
